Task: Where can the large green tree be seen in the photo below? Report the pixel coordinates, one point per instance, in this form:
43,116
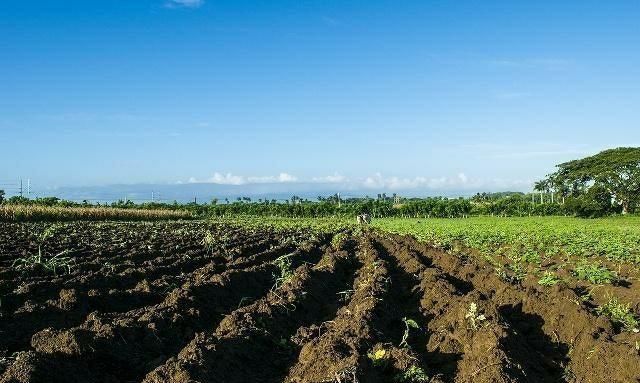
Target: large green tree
615,170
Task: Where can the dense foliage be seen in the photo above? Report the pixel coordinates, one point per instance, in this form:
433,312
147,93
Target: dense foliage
593,203
529,239
601,184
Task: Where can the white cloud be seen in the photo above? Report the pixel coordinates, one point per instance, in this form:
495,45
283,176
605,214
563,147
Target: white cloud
232,179
282,177
184,3
226,179
332,179
377,181
459,182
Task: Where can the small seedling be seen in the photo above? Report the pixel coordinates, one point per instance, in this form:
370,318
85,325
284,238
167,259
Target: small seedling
474,317
620,313
344,296
109,267
549,278
408,325
414,374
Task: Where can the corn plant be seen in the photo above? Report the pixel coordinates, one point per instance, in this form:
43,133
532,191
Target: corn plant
52,264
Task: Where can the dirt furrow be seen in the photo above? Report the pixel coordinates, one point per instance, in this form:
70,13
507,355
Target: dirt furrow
253,343
336,350
124,274
143,338
108,278
564,341
470,339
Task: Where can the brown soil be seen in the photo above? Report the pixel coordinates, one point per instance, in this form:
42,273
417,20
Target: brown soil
150,303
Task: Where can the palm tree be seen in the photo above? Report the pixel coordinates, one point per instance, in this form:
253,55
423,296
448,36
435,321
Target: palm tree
541,186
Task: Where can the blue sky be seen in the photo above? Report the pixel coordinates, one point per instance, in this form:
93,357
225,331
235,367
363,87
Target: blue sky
387,95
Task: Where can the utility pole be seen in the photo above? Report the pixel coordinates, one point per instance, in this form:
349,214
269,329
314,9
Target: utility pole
20,187
152,199
28,187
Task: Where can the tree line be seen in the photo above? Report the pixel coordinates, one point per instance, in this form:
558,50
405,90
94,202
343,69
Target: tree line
493,204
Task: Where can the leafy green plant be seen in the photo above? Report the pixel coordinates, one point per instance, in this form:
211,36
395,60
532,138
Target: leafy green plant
549,278
220,243
338,240
285,271
518,273
414,374
408,325
512,273
620,313
594,272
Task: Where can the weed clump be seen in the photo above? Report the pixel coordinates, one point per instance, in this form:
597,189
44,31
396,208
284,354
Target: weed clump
414,374
620,313
474,316
285,271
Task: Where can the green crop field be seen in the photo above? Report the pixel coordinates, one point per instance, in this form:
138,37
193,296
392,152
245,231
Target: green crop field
530,239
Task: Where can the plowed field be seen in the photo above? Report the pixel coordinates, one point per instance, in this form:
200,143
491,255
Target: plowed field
196,302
